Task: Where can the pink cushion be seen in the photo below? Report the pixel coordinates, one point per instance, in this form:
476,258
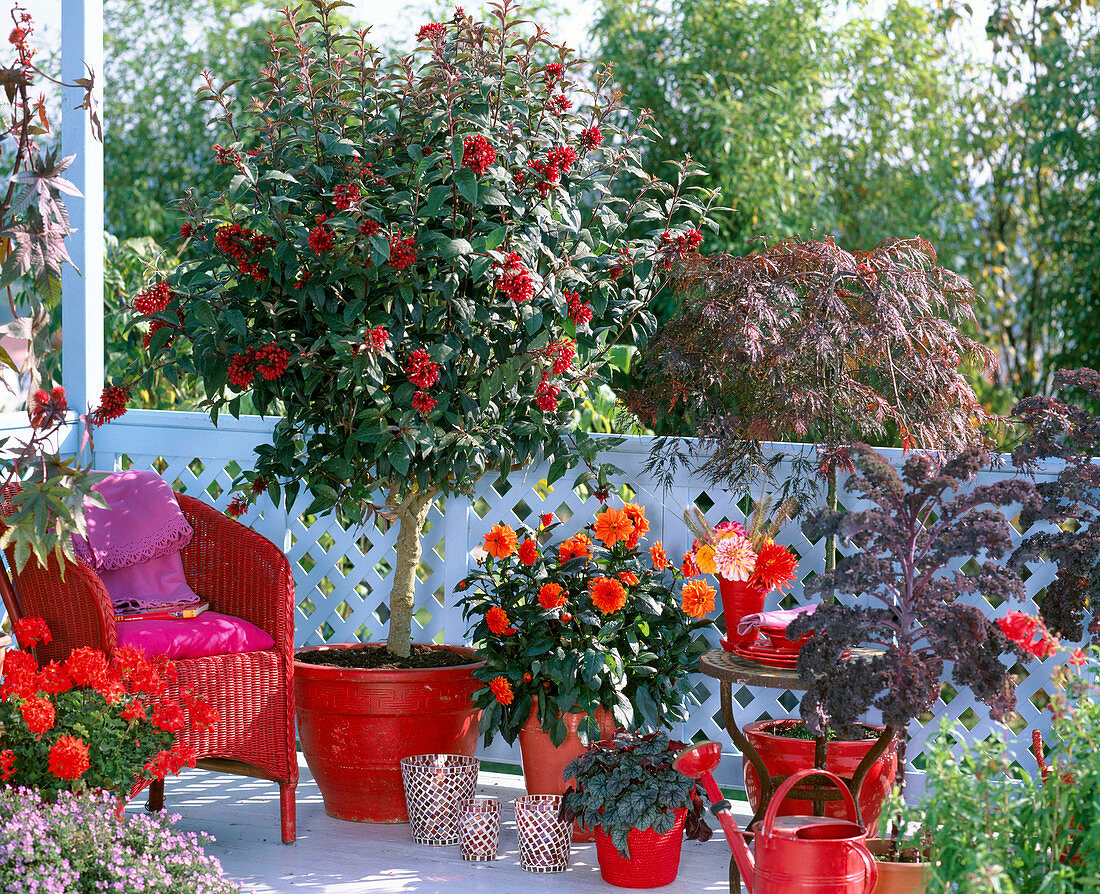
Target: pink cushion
210,633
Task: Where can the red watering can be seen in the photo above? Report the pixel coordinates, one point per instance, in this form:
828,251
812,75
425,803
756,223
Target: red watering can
793,854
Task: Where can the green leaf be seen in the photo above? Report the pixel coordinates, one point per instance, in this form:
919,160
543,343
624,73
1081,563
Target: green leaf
466,181
454,248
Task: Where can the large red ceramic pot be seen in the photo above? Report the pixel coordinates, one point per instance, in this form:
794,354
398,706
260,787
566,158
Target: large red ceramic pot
784,756
739,598
356,724
544,762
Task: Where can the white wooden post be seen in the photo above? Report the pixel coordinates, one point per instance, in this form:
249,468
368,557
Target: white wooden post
82,294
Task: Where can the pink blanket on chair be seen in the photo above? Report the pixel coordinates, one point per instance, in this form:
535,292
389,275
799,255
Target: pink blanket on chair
135,544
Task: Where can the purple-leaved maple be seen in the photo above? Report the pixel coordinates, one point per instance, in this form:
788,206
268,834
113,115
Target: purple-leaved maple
910,601
1059,430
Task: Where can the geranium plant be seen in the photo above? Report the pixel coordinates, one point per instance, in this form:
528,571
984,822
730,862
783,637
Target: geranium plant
1070,434
592,621
84,723
910,593
628,782
420,261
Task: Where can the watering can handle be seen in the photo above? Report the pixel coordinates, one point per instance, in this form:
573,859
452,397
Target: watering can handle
872,867
793,780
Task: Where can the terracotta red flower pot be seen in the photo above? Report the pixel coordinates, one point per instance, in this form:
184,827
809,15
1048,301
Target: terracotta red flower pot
784,756
355,725
544,763
654,859
897,878
739,598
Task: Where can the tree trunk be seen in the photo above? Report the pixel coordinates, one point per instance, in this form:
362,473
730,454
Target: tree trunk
830,540
411,515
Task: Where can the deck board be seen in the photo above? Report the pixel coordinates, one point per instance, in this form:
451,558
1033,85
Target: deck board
336,857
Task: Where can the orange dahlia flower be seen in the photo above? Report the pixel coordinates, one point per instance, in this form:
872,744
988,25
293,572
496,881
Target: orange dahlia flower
551,596
636,514
629,578
688,568
775,567
500,542
704,559
608,595
659,557
574,548
613,525
698,598
498,621
502,689
528,551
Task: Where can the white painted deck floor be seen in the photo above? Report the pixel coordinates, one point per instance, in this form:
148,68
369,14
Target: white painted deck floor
336,857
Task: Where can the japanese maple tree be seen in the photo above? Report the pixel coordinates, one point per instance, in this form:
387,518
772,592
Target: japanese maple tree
401,264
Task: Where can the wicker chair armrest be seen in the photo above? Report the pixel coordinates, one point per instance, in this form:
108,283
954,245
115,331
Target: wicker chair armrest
240,572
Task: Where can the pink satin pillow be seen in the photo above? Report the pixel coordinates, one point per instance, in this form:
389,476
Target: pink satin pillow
210,633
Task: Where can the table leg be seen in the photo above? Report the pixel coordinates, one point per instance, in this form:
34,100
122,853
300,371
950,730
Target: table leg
877,750
746,748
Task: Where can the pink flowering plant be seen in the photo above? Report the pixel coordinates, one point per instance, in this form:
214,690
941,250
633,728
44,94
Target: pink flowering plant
421,262
84,723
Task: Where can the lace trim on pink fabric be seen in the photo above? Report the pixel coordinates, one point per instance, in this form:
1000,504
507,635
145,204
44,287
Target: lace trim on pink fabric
172,536
83,551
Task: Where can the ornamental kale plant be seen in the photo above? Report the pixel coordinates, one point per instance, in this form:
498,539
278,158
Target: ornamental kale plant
591,622
83,723
628,782
907,594
81,845
1070,503
421,262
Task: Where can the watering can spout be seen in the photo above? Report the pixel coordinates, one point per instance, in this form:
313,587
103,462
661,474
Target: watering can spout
699,761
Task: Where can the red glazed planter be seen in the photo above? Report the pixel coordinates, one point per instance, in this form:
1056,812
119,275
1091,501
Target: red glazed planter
739,598
784,756
544,763
654,859
355,725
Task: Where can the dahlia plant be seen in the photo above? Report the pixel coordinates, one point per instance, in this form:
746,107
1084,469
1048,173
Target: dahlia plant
422,262
85,723
592,621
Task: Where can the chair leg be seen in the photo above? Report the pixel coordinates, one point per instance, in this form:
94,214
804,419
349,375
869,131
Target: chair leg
287,810
155,804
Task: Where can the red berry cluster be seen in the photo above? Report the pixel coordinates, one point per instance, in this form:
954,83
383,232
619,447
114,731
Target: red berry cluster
546,395
268,361
477,154
402,251
514,279
622,264
562,355
590,138
153,299
344,195
243,246
558,104
19,35
225,156
112,404
237,507
369,227
673,247
48,408
579,312
562,157
321,238
423,402
188,230
432,31
422,371
377,340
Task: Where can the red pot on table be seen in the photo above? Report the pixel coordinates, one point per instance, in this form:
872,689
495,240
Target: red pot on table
739,598
356,724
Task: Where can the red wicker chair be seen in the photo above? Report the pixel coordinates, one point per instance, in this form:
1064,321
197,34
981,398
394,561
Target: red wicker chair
240,573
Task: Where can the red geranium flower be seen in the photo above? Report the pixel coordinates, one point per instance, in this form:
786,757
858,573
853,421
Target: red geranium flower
69,757
38,714
31,631
7,764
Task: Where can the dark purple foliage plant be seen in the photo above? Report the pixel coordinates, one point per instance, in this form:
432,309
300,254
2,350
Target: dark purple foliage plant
1070,502
912,590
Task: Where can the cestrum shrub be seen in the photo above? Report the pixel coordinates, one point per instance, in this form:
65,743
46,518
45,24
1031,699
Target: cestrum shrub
421,262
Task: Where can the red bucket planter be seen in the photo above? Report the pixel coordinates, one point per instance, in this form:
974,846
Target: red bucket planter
739,598
654,859
784,756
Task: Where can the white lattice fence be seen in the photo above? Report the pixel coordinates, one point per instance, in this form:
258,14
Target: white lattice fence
341,575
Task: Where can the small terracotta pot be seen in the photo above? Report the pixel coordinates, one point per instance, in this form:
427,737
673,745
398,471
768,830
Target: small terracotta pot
544,763
739,598
897,878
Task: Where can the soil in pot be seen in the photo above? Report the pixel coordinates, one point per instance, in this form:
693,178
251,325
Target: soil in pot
786,747
355,725
896,878
371,656
654,859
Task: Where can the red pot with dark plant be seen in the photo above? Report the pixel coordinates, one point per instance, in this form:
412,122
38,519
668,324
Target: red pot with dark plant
355,725
784,755
654,859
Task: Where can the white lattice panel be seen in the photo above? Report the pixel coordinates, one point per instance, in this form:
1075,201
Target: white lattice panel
342,575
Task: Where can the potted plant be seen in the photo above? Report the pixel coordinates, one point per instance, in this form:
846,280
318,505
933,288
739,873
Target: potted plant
1070,501
580,636
906,580
640,805
86,724
804,341
401,266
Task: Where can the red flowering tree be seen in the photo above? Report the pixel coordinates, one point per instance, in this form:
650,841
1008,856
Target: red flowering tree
402,266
